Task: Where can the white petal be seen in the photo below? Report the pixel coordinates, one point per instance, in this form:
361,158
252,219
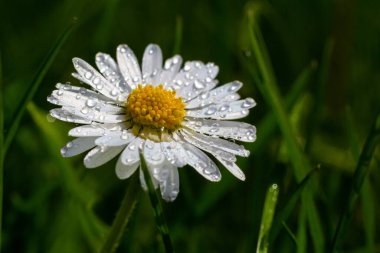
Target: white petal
233,168
92,77
125,171
168,179
152,153
174,152
100,155
215,142
93,115
96,129
110,70
152,64
129,160
206,146
83,91
84,101
224,93
226,129
202,163
78,146
229,110
170,69
64,115
142,180
115,139
129,66
195,78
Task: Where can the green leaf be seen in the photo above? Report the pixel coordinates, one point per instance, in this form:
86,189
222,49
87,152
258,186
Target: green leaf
267,218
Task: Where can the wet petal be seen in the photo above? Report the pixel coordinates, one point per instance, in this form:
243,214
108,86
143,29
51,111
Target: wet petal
227,129
129,159
93,78
170,69
218,143
96,129
224,111
115,139
77,146
202,163
101,155
168,179
152,64
110,70
224,93
174,152
64,115
128,65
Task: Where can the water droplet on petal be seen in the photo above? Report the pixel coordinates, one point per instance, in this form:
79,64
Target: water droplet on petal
60,93
210,111
114,92
84,110
96,80
99,86
224,108
249,102
234,86
90,103
70,144
199,85
88,75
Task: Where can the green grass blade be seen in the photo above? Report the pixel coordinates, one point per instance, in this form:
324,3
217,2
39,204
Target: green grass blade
33,87
178,35
290,233
271,94
360,174
368,207
302,231
289,206
321,87
267,218
123,216
157,207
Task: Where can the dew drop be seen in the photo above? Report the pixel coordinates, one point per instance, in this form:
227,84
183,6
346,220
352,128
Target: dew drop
234,86
99,86
90,103
84,110
214,130
70,144
88,75
114,92
249,102
210,111
224,108
187,67
60,92
205,95
199,85
96,80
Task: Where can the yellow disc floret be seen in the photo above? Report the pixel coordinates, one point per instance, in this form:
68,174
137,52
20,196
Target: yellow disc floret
155,107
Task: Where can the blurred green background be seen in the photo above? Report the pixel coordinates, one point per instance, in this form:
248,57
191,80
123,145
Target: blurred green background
332,48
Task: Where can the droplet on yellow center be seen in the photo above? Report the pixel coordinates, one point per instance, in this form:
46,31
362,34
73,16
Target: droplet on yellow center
155,107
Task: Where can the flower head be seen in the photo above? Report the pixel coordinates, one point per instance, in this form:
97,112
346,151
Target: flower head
172,116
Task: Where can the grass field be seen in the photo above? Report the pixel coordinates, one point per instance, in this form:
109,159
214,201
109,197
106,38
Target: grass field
313,176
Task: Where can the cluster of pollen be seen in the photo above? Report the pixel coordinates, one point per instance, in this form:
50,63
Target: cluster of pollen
155,107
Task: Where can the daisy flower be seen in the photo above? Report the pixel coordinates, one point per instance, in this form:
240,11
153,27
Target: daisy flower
170,115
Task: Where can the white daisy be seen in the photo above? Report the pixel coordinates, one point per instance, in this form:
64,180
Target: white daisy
168,114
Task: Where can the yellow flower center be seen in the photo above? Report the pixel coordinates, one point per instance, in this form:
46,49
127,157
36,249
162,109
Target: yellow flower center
155,107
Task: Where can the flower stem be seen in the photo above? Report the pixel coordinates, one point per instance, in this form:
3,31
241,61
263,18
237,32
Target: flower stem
157,207
123,216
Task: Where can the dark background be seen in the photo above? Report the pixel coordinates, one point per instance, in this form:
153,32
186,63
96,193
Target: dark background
52,204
